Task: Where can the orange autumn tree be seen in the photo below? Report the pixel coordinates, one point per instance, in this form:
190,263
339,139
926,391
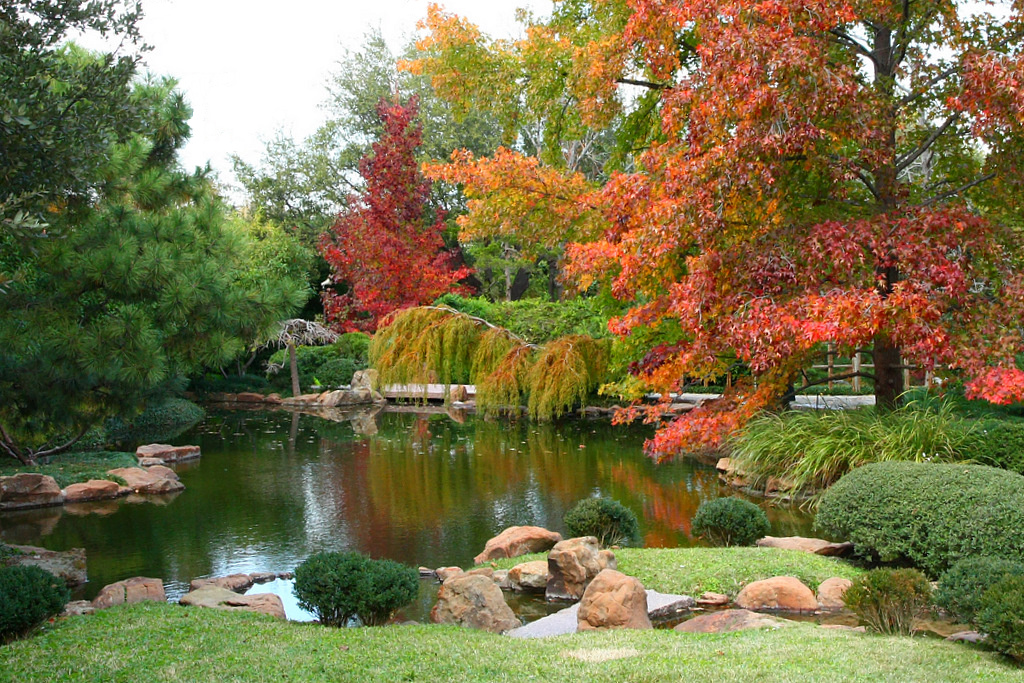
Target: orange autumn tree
791,172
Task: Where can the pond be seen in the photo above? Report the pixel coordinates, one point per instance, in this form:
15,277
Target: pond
425,489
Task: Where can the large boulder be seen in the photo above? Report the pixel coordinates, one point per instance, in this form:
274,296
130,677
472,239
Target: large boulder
66,564
781,593
831,592
729,620
146,480
474,601
573,564
216,597
529,576
94,489
365,380
27,490
129,591
613,600
518,540
167,453
817,546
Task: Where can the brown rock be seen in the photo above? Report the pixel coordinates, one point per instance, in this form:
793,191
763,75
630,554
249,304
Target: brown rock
129,591
365,380
724,465
482,571
67,564
250,397
77,608
150,462
529,576
606,559
613,600
817,546
445,573
262,577
26,490
966,637
237,583
473,601
572,565
167,453
831,591
162,471
730,620
710,599
518,540
301,400
216,597
782,593
500,578
146,481
94,489
458,393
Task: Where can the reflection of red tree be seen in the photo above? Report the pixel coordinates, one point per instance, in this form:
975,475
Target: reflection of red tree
667,508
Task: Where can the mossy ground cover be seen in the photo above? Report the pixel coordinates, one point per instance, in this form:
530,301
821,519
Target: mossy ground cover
691,571
71,468
172,643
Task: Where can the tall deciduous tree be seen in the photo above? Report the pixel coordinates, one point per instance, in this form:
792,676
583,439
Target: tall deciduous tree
386,251
814,170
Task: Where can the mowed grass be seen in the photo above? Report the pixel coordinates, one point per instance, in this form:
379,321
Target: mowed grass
72,468
164,642
692,571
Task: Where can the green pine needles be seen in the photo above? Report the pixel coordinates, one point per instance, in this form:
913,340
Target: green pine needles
432,344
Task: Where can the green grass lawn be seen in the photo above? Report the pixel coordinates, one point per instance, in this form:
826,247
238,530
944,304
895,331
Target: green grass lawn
692,571
71,468
163,642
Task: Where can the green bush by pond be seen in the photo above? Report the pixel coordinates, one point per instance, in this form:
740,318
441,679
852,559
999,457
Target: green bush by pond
925,514
338,586
962,586
999,616
730,521
611,522
332,365
28,596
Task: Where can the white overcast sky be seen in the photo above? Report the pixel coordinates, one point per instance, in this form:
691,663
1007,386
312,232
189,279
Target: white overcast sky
251,67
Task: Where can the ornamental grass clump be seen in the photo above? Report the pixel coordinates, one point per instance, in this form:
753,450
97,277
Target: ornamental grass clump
888,600
611,522
962,586
28,597
730,521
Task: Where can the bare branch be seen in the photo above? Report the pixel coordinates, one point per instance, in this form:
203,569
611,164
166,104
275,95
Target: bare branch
643,84
846,39
909,158
963,188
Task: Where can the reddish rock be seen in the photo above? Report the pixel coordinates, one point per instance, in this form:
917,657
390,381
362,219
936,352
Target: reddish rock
94,489
473,601
273,398
66,564
817,546
518,540
77,608
572,565
28,490
237,583
710,599
215,597
167,453
162,471
529,576
730,620
781,593
147,481
613,600
831,592
482,571
150,462
250,397
445,573
129,591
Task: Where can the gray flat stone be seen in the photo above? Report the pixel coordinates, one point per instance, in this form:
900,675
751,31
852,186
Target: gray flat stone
564,621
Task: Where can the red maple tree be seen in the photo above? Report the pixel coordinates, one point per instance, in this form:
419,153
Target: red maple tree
385,251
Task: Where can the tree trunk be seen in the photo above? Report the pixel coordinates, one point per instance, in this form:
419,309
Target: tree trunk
888,374
294,364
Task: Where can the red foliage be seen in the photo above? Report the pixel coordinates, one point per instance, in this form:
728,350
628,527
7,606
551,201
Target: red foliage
383,248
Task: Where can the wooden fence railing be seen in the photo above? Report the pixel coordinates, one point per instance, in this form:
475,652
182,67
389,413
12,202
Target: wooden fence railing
861,362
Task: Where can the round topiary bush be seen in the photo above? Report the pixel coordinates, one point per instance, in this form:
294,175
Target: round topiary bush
999,616
926,514
28,596
962,585
607,519
389,586
330,585
888,600
730,521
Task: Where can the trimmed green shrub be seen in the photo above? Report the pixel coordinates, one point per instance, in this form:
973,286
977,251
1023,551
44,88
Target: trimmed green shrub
28,596
389,586
330,586
731,521
927,515
607,519
887,600
338,586
962,585
999,616
336,372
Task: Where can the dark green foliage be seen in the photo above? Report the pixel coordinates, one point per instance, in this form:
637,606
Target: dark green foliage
927,515
338,586
962,585
999,616
74,467
336,372
162,419
7,552
887,600
999,443
535,320
389,586
730,521
333,364
232,384
330,586
607,519
28,596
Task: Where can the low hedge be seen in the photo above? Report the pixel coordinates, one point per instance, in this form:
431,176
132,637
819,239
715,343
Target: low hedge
927,515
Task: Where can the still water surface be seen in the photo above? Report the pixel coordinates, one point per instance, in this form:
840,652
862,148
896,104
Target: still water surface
273,487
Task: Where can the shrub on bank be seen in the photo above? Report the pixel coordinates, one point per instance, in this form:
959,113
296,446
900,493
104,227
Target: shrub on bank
962,586
607,519
888,600
999,616
28,596
333,365
338,586
928,515
730,521
389,586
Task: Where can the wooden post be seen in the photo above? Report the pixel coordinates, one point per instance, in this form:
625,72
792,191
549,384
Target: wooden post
856,368
906,373
830,359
